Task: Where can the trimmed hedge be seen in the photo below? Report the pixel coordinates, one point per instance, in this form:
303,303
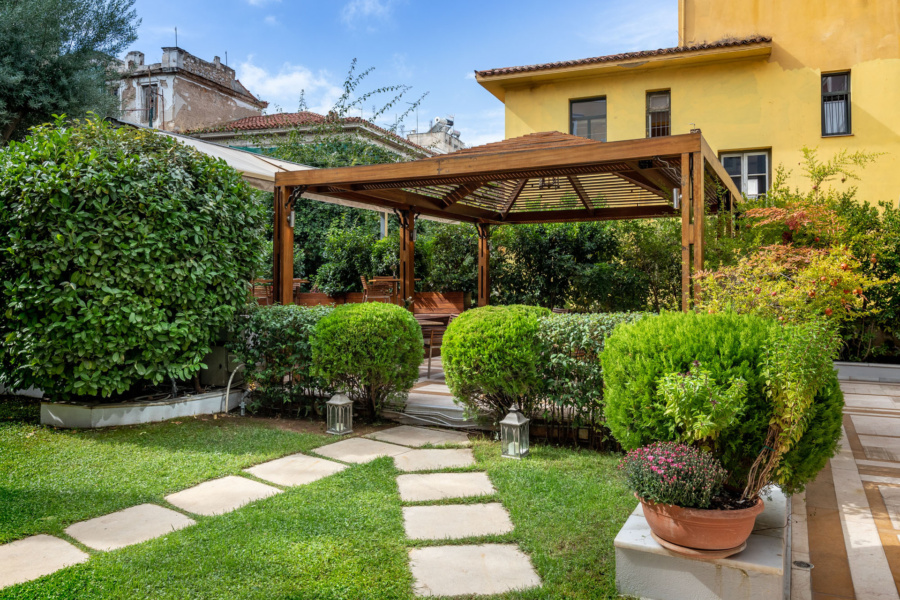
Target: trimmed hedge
126,253
728,345
371,351
275,344
570,346
491,358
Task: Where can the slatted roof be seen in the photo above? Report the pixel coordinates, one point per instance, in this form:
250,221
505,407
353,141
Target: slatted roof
541,177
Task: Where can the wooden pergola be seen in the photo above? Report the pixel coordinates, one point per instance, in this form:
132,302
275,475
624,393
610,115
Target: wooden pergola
538,178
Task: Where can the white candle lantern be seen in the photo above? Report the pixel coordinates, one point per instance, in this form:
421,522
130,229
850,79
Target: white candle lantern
514,434
339,413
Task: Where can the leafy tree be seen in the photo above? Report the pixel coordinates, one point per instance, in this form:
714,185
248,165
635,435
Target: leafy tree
452,257
56,57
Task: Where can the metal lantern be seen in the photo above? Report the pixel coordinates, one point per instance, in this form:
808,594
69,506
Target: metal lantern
514,434
339,413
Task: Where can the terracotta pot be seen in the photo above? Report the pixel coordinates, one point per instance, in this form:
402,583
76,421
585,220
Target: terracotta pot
702,529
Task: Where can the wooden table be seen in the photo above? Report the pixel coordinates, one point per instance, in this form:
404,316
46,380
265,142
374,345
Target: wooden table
431,323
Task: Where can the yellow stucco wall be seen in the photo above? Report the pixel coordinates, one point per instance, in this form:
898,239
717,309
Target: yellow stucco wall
769,102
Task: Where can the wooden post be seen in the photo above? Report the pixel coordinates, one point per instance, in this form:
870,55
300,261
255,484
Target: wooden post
407,253
730,227
699,203
283,247
686,232
484,264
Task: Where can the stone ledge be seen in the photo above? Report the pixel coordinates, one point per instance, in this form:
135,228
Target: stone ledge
646,570
72,415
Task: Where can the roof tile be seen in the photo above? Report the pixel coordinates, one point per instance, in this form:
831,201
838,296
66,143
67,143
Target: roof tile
726,43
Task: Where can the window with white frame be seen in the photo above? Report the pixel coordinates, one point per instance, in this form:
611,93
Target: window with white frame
749,171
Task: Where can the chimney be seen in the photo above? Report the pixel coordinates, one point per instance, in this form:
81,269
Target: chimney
134,59
218,61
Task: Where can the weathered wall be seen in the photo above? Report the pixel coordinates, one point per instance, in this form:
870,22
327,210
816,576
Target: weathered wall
196,105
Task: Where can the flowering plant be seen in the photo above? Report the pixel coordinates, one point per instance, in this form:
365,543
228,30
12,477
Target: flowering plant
670,473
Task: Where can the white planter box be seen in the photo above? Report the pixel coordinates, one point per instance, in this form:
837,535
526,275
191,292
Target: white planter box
646,570
853,371
72,415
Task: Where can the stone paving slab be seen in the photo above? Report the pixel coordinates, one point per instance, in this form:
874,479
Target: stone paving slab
220,496
455,521
126,527
407,435
297,469
471,570
36,556
441,486
359,450
432,460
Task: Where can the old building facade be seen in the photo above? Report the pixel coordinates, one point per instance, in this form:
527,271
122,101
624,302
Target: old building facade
182,92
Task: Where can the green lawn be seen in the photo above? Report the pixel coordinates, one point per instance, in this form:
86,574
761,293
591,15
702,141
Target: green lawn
341,537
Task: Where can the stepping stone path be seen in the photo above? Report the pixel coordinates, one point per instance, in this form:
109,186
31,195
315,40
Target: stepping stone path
126,527
437,570
452,570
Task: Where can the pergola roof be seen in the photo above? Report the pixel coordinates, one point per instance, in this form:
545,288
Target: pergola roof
541,177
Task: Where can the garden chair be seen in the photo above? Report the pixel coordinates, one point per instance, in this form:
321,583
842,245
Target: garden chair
433,337
376,292
263,292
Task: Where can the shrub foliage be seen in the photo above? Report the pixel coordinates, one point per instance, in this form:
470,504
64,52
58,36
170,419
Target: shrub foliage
275,344
730,347
570,346
371,351
491,358
127,252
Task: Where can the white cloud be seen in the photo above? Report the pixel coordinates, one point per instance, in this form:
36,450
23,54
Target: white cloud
283,88
261,2
270,20
646,30
470,75
366,10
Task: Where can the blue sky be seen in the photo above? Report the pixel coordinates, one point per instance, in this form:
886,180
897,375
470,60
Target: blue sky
280,47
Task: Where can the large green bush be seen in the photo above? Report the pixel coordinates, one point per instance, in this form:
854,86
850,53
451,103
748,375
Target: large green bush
371,351
275,344
637,357
491,358
570,347
452,252
126,253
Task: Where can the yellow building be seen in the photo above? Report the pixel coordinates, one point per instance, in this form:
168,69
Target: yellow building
760,78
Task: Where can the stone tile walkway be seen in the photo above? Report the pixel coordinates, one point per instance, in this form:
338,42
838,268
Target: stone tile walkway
848,522
126,527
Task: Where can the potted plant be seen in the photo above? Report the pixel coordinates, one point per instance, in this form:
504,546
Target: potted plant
681,489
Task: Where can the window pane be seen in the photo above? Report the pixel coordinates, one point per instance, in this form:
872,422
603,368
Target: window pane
658,101
589,108
580,128
756,164
835,83
834,115
757,185
598,129
659,124
732,166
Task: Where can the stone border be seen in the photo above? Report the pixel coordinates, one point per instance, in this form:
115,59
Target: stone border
869,372
72,415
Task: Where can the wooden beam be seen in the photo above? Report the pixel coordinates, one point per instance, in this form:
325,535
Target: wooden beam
407,254
638,179
484,264
599,214
494,164
699,204
579,189
459,193
718,169
686,232
283,248
364,198
658,180
513,196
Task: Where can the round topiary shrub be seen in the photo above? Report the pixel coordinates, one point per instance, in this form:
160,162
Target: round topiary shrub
639,357
370,351
491,357
126,254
